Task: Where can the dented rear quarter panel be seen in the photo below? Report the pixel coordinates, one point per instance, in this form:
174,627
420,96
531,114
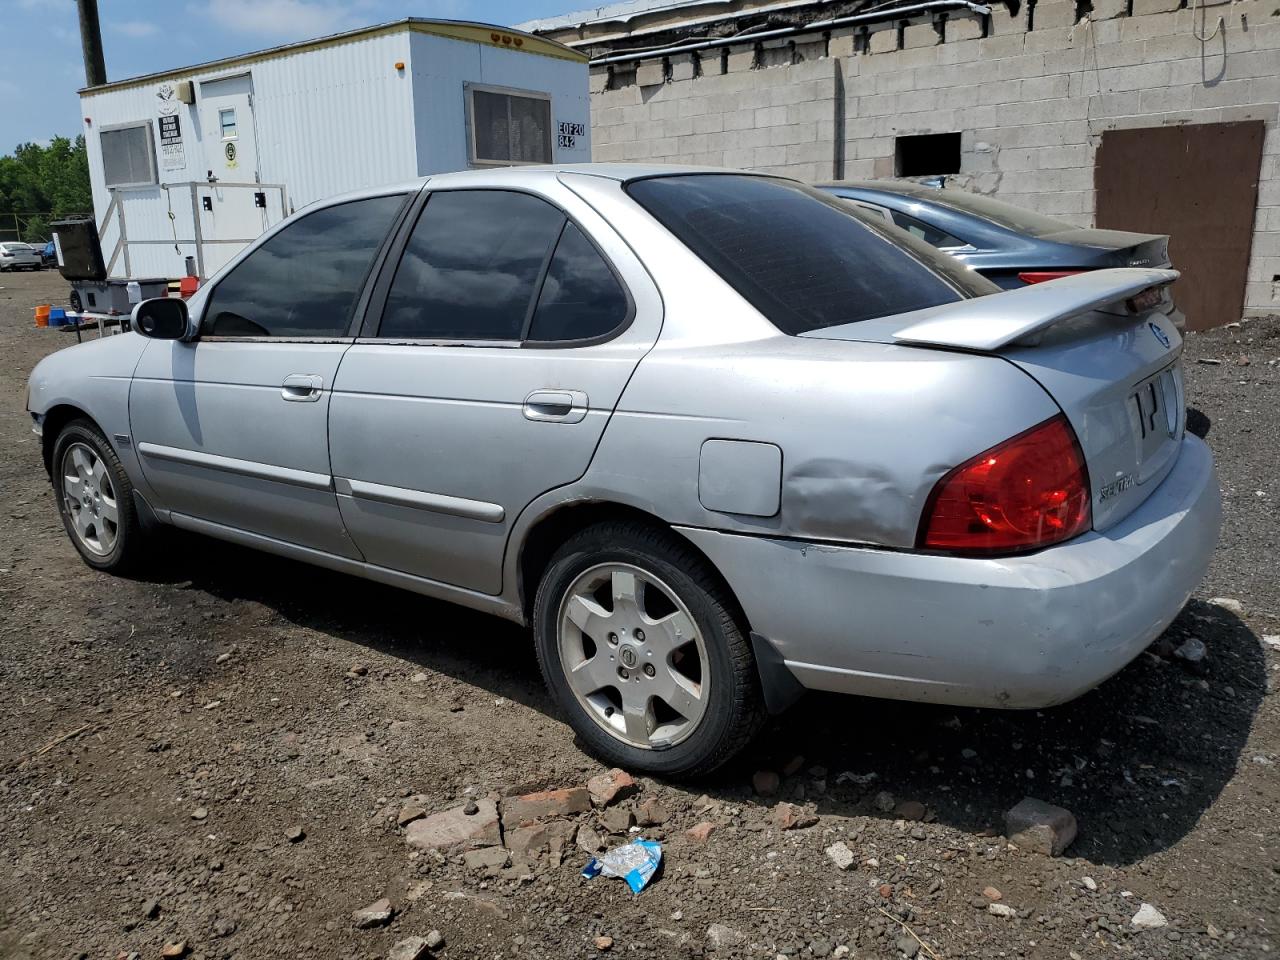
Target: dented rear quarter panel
865,430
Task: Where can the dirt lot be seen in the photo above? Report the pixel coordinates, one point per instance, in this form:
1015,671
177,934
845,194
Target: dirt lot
164,739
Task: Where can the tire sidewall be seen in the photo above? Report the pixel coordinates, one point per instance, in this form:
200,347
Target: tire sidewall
717,719
81,432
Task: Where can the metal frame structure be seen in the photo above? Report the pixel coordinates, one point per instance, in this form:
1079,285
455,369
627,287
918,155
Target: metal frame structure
198,241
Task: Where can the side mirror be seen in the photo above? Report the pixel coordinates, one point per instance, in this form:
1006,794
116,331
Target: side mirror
164,318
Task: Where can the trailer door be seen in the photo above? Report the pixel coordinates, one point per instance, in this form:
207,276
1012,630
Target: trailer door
226,113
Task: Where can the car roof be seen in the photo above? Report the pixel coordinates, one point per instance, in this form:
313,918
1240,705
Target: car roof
498,176
622,172
905,188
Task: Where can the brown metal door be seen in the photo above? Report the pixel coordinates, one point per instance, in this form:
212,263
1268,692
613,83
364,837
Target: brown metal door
1199,184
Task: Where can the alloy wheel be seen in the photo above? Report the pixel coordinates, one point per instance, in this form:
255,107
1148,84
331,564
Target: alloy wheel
90,499
633,656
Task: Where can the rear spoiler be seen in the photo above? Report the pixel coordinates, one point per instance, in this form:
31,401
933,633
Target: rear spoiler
988,323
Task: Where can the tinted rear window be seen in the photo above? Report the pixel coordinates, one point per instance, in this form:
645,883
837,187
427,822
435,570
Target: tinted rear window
802,258
1017,219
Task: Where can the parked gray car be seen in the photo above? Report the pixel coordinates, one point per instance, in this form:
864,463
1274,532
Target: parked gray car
19,256
1009,245
715,436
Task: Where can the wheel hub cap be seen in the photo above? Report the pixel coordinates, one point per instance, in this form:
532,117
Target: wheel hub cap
90,499
632,655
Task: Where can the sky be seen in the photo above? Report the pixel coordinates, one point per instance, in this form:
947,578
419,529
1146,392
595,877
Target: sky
41,66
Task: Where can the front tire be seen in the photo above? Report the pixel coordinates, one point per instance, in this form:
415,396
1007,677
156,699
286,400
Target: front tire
95,499
642,648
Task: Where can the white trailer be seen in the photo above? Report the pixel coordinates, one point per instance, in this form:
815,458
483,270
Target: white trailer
198,162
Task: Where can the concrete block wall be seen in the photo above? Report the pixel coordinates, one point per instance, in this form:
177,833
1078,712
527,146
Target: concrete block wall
780,119
1030,104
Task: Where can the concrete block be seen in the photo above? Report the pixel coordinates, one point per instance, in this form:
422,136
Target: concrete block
884,38
651,74
598,79
842,42
1108,9
776,53
1003,21
711,63
1049,39
810,49
741,58
1143,7
962,28
1054,13
997,47
924,34
682,67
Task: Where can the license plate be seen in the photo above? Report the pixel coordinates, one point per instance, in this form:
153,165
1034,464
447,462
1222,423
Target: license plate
1158,405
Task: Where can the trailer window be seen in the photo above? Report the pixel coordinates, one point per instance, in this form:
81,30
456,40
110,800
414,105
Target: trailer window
128,156
508,127
227,121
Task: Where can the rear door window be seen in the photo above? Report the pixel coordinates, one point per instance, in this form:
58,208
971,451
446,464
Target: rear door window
804,259
471,268
581,298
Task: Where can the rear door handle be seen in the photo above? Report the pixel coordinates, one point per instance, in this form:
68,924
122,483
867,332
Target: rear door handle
556,406
301,387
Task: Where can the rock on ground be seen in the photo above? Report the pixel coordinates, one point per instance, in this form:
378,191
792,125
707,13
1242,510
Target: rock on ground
452,829
841,855
376,914
721,937
611,786
545,803
1040,827
1148,918
411,948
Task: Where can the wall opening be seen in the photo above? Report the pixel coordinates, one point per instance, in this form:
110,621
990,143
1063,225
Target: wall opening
927,154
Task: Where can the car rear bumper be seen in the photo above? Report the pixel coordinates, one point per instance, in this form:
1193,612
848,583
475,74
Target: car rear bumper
1014,632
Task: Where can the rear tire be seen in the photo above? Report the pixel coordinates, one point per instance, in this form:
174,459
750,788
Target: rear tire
95,499
661,678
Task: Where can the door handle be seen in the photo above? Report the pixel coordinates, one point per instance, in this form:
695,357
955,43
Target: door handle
301,387
556,406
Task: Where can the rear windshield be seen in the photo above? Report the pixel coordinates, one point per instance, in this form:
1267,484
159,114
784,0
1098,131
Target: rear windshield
16,246
802,258
1017,219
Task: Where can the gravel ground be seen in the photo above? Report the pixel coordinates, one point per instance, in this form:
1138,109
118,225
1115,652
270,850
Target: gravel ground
213,759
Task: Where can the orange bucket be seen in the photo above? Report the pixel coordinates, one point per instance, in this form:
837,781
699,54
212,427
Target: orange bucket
42,315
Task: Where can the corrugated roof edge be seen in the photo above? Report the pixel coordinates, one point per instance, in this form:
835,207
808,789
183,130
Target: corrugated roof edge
465,30
614,11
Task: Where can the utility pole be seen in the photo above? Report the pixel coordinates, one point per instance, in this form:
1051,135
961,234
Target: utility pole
95,68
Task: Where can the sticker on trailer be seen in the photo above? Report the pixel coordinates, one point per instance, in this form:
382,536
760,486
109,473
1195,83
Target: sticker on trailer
172,154
230,152
569,134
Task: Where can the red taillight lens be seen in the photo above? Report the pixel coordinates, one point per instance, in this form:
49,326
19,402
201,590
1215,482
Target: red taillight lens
1042,276
1027,492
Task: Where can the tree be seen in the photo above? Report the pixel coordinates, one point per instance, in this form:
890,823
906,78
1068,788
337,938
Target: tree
43,183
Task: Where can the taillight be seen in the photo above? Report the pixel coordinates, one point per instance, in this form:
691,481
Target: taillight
1025,493
1043,276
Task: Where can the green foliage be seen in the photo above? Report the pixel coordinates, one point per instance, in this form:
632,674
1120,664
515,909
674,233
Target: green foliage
39,184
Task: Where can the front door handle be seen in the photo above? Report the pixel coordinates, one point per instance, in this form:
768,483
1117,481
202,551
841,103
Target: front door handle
301,387
556,406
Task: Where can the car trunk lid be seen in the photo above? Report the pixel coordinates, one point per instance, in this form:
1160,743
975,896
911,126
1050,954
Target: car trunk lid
1119,248
1113,367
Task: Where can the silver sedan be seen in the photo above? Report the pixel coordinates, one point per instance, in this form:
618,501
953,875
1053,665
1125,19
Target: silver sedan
717,437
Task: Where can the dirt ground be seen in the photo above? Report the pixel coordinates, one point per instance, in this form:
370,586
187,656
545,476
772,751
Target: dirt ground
163,739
